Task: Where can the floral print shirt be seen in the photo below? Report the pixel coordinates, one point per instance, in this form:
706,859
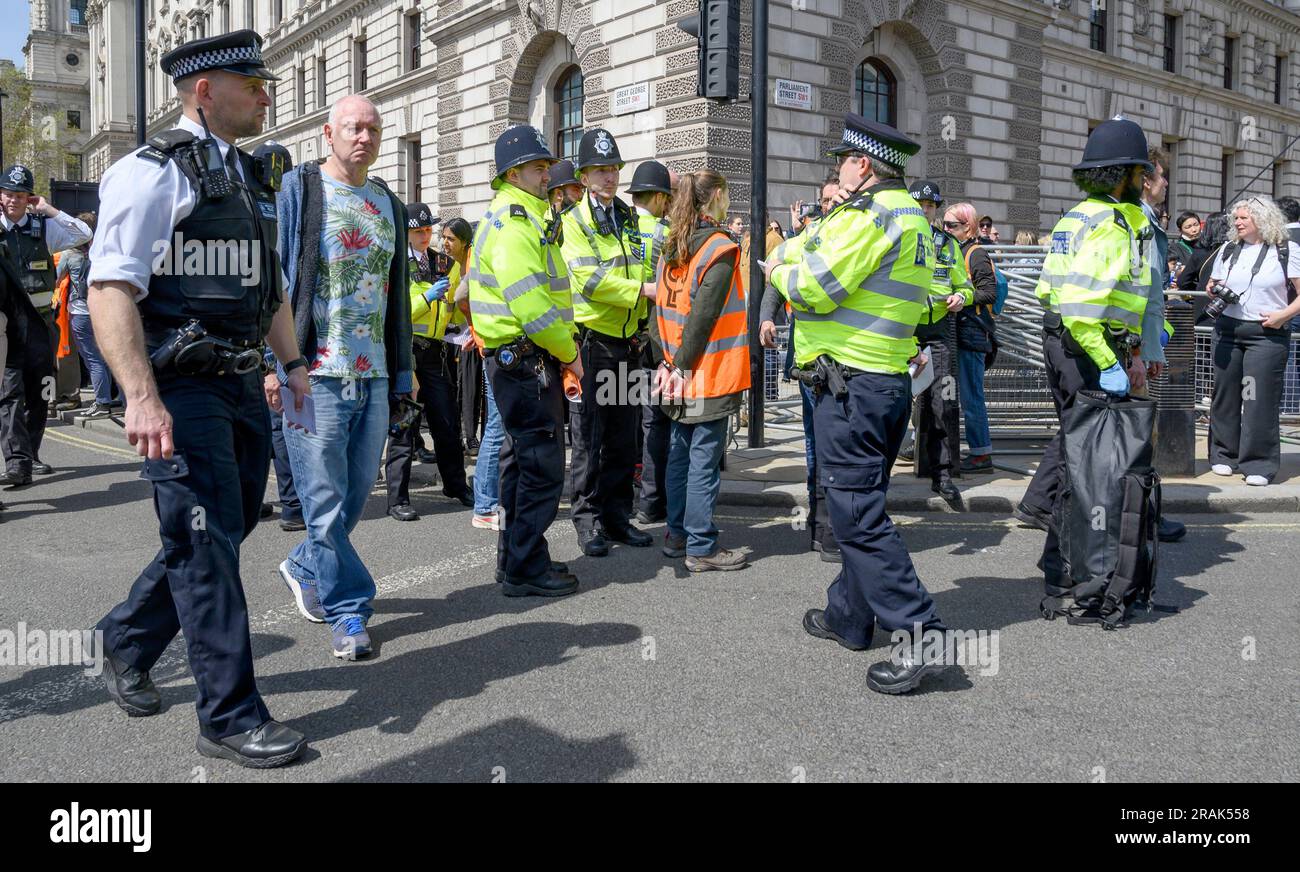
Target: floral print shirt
356,249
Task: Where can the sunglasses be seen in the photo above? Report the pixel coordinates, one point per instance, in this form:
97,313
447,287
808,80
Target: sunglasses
949,225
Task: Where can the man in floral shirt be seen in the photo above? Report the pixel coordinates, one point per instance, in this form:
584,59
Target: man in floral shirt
339,228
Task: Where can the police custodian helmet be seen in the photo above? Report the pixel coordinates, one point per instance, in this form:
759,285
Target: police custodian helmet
651,176
598,149
562,174
1117,142
516,146
18,178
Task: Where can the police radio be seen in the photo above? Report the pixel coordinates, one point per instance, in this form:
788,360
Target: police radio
213,178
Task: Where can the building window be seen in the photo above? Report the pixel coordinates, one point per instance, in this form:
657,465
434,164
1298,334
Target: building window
1171,43
1279,78
301,90
413,41
415,171
1171,174
277,12
1229,60
1228,170
1097,26
1279,173
568,114
877,92
225,17
250,15
72,168
201,28
74,119
321,93
271,113
77,13
359,62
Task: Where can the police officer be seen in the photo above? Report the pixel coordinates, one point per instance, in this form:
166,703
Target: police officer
652,190
31,230
186,350
521,307
564,189
859,285
604,252
432,313
1094,288
950,290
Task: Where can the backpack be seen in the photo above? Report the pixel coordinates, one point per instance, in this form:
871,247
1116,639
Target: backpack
1108,512
1004,287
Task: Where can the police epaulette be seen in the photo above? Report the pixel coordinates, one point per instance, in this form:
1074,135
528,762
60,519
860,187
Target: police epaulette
1119,219
861,203
159,145
518,211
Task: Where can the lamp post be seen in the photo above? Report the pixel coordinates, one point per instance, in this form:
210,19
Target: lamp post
3,95
140,108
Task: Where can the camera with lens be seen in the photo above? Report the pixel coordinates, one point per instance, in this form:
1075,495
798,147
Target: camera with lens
1224,297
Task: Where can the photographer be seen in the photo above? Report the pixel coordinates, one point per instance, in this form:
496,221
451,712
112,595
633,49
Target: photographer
1255,290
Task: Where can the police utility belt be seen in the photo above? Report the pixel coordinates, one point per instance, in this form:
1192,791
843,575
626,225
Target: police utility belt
190,351
826,376
1122,341
517,352
636,342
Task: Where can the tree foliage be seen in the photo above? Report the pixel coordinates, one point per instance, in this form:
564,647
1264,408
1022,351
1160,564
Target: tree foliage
35,135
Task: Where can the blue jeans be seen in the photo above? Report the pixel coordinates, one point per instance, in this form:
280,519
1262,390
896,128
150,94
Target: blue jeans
100,377
693,481
487,480
970,373
333,471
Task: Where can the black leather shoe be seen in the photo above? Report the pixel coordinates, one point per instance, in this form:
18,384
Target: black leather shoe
39,468
15,479
265,747
266,511
557,568
293,526
829,553
630,535
1170,531
889,677
552,584
465,498
424,455
403,513
644,517
1031,517
946,489
132,690
814,624
593,544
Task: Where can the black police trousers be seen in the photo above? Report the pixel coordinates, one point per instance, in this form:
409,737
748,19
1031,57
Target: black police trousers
858,438
603,435
26,391
937,406
435,369
656,428
1068,372
532,464
290,504
207,498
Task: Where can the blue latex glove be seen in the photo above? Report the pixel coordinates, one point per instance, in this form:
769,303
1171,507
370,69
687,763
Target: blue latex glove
1164,338
1114,381
437,291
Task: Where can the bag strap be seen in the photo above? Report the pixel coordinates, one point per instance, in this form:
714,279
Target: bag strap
1134,521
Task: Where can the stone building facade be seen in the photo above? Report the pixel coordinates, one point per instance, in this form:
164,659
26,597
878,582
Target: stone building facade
1001,93
57,62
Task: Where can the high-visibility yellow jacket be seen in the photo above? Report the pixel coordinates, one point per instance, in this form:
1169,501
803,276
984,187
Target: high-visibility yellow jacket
1098,273
949,278
607,270
518,283
430,320
859,279
654,231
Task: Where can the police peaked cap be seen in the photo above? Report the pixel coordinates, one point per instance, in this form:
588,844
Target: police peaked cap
562,174
880,141
516,146
239,52
419,216
923,189
651,176
598,148
1114,143
18,178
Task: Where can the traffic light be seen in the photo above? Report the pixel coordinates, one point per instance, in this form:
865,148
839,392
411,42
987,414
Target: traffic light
717,34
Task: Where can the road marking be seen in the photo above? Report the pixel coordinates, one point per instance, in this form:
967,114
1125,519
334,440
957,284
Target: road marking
761,521
94,446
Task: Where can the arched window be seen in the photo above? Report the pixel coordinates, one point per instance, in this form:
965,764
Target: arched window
876,90
568,114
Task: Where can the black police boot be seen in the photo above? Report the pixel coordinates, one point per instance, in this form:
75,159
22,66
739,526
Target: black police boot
829,551
814,624
558,567
266,511
593,543
906,675
15,479
424,455
944,487
132,689
465,498
628,535
1170,531
1032,517
265,747
39,468
403,512
551,584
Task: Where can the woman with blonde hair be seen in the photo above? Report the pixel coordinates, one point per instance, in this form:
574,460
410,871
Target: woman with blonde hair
701,333
1260,266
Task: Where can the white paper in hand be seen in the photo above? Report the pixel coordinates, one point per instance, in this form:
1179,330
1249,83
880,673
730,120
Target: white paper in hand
922,373
306,419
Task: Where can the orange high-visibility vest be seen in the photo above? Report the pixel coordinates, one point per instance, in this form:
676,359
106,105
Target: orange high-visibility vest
723,369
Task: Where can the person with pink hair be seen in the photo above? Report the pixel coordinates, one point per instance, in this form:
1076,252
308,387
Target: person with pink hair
976,336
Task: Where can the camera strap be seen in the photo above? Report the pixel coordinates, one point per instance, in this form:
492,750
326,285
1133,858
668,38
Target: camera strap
1259,262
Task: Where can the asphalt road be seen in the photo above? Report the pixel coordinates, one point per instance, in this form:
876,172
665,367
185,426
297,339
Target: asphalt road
653,674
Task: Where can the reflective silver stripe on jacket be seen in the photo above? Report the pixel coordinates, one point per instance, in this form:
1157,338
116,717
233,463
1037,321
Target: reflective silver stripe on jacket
863,321
1132,320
